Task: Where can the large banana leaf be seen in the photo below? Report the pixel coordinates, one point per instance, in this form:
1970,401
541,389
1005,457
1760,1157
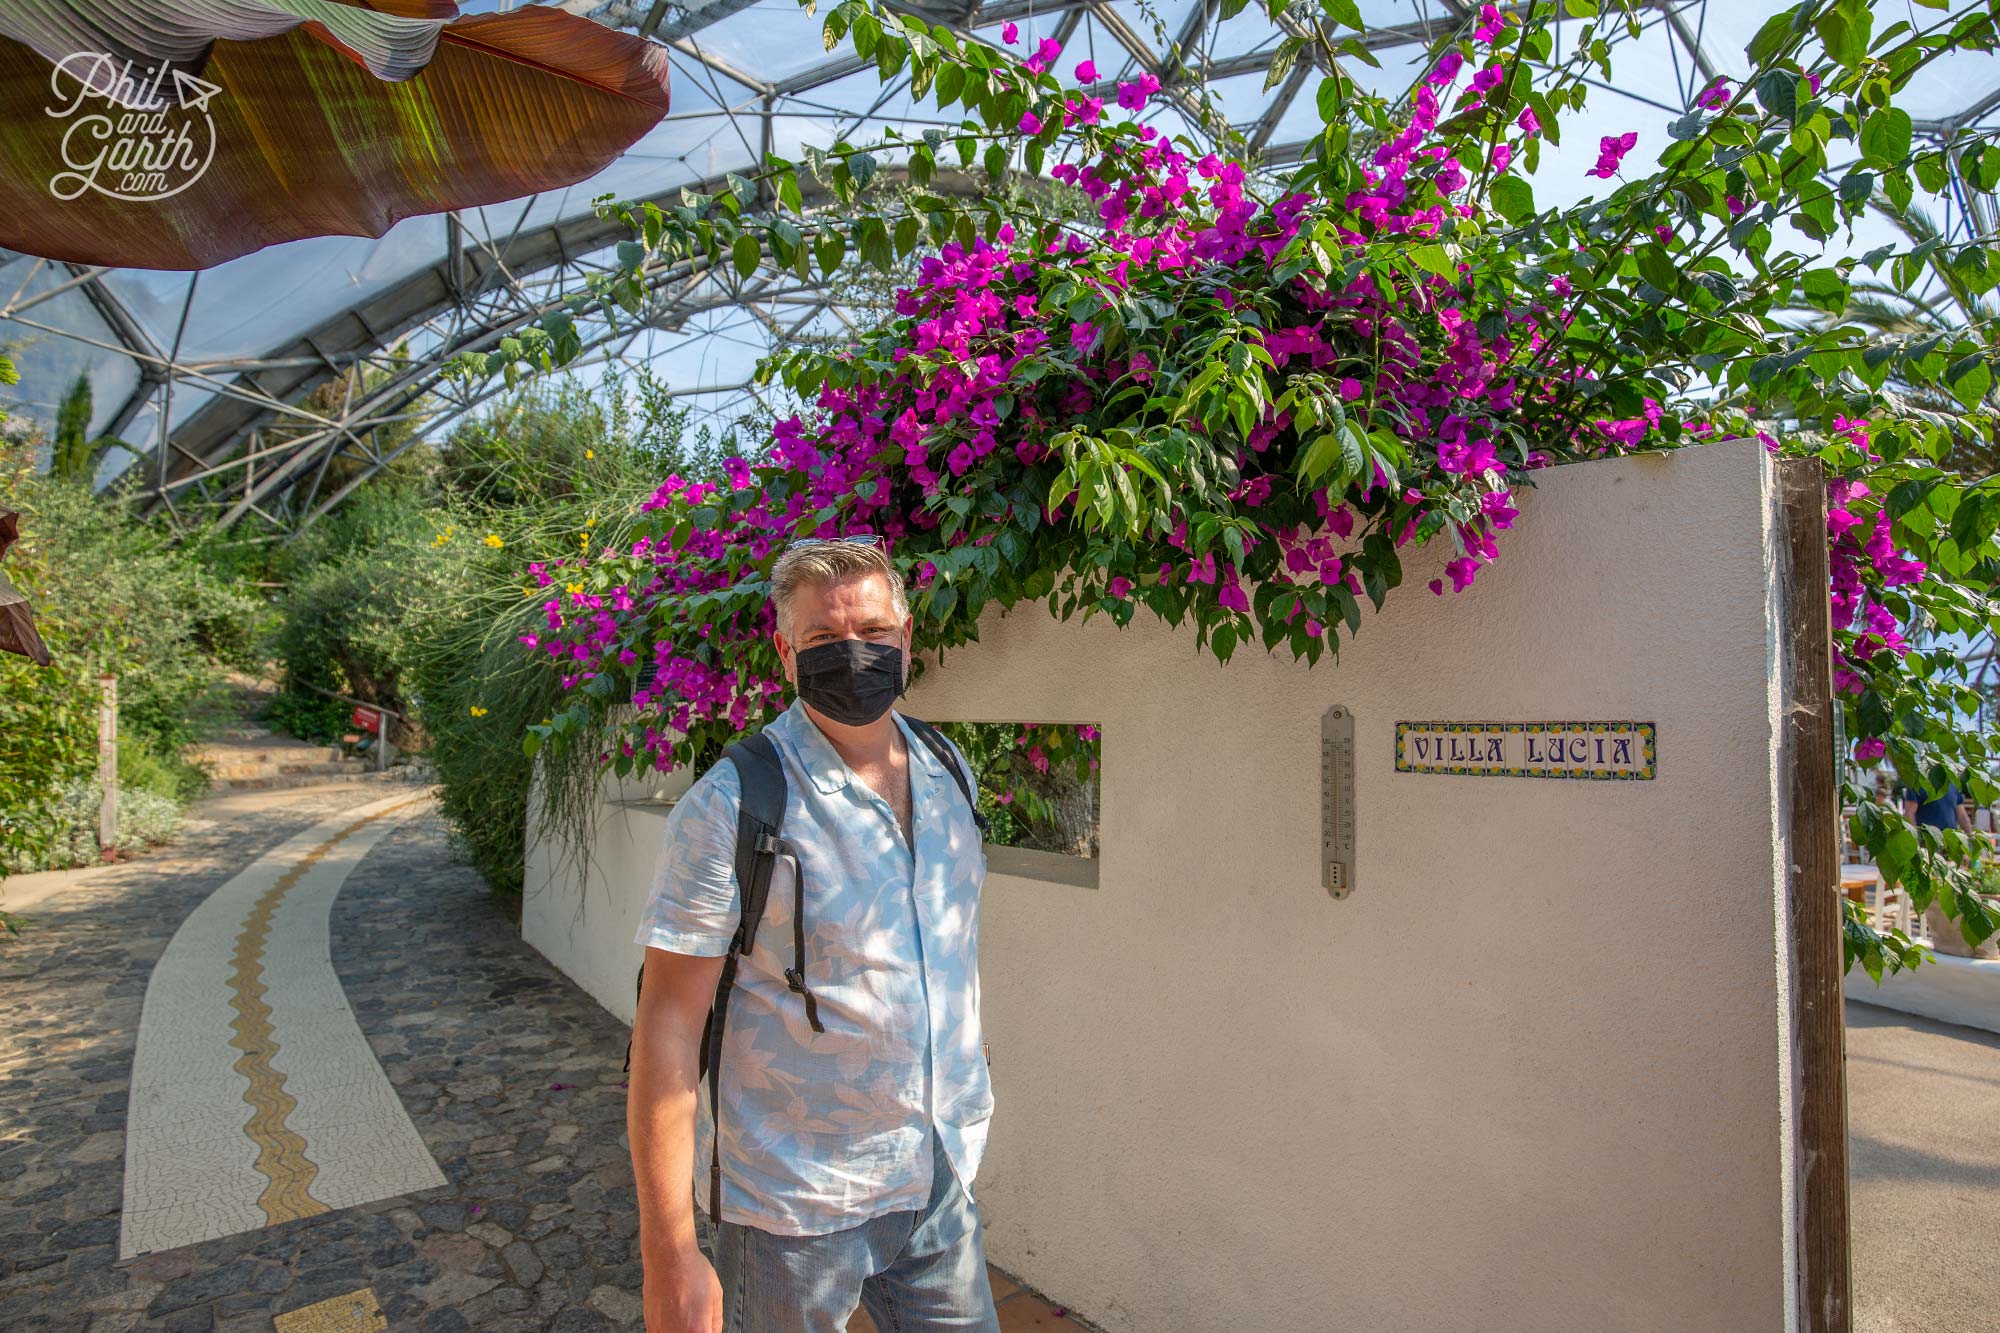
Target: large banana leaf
280,119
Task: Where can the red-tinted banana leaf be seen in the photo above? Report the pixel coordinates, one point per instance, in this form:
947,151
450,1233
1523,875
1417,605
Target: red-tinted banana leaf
298,137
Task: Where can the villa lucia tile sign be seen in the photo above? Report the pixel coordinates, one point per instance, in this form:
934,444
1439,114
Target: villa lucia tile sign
1605,750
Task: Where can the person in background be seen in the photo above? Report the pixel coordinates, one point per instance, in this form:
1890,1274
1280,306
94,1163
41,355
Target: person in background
1947,810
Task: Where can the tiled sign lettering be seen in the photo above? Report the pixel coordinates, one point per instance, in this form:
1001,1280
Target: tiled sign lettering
1529,749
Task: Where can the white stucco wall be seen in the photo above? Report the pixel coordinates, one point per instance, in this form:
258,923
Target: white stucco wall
1529,1076
583,916
1965,991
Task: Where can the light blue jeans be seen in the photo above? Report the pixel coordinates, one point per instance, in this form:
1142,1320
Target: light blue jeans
916,1271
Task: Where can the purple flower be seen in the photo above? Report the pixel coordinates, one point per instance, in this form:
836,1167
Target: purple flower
1528,121
1088,110
1448,66
1030,123
1715,96
1611,150
1086,71
1132,96
1870,750
1083,337
1010,33
1735,206
1350,389
1491,23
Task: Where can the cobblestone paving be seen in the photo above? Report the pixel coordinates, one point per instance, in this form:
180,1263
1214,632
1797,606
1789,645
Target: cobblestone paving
510,1072
537,1228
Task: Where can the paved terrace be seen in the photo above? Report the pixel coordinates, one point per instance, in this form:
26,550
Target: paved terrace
296,1072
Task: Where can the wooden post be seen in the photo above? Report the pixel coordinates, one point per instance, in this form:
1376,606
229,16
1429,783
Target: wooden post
107,762
1812,799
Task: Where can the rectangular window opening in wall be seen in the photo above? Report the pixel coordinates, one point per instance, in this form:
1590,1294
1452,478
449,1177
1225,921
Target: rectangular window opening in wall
1038,788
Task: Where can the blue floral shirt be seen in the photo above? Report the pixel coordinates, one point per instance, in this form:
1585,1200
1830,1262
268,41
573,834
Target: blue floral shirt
823,1130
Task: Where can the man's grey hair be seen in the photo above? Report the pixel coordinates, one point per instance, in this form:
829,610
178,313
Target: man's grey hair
823,564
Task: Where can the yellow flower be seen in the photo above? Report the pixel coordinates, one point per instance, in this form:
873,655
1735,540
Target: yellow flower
528,590
493,540
477,711
585,540
590,453
590,522
572,587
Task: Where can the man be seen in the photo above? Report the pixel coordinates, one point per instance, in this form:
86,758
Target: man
848,1144
1946,811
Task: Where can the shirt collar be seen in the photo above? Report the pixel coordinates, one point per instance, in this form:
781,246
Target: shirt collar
823,764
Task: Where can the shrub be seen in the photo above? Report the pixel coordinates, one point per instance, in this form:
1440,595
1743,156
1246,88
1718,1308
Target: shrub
111,595
145,818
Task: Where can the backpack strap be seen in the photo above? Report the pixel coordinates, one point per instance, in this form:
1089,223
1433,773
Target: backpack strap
759,814
939,746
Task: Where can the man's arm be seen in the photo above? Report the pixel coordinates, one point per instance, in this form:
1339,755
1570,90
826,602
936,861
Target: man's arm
690,917
674,1001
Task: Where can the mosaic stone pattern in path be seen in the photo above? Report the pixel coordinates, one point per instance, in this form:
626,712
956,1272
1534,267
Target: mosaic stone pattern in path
256,1098
510,1072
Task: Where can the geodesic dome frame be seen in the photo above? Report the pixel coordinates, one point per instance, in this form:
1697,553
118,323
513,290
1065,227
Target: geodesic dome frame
237,388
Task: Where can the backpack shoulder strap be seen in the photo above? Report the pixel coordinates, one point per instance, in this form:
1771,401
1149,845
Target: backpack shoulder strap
759,815
939,746
759,818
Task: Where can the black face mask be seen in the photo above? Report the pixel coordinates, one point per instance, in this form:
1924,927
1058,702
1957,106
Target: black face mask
850,680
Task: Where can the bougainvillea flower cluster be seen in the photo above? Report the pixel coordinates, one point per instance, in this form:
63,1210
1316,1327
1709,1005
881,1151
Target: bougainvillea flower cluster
1006,354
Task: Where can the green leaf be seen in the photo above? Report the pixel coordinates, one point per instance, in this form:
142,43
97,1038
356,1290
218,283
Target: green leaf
1777,31
1345,13
829,249
1970,380
1513,197
1984,171
1318,457
1434,259
1777,91
748,254
1331,99
1885,135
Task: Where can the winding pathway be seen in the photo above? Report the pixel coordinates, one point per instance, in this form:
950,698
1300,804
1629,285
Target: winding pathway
255,1096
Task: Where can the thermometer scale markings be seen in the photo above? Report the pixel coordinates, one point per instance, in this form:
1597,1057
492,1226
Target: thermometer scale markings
1336,786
